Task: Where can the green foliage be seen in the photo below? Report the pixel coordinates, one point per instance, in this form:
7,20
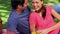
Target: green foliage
4,11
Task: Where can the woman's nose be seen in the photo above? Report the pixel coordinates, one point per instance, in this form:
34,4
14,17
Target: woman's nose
35,4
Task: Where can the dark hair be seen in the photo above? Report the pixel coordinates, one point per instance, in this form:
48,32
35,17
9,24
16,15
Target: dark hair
15,3
43,10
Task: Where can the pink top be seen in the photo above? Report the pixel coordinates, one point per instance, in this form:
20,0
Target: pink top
41,23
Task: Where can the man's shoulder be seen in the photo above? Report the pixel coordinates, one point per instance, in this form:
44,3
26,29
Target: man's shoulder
13,14
27,9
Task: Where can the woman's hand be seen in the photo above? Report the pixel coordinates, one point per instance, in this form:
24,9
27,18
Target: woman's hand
45,31
33,32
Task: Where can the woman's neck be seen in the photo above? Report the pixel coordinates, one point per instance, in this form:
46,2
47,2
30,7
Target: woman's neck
40,13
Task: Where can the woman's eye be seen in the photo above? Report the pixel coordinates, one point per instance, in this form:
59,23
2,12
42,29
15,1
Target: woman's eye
36,2
32,2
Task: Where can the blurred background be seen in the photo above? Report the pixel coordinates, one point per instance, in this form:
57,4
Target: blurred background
5,7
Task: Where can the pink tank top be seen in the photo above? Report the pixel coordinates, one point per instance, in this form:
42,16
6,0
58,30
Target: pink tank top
41,23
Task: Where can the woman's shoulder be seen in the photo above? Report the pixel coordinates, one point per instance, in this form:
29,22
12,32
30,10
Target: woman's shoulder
49,7
33,13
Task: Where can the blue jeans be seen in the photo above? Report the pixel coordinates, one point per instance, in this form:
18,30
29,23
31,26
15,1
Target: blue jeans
59,32
57,8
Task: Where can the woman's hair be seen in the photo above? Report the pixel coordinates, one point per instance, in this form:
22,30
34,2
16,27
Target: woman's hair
15,3
43,10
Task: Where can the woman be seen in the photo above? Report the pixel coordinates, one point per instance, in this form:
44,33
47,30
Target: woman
55,7
42,19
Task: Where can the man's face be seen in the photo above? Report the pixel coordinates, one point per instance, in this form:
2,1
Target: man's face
25,4
20,7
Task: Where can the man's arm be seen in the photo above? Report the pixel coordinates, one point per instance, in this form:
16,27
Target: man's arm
11,25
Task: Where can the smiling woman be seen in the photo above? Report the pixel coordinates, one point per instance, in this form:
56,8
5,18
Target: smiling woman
0,26
42,19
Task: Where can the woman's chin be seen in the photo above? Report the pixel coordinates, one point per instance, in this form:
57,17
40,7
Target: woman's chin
36,9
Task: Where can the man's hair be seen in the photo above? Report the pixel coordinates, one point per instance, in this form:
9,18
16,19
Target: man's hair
15,3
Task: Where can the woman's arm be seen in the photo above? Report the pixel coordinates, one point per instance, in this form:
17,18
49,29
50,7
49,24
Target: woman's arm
54,27
55,14
32,29
46,31
32,21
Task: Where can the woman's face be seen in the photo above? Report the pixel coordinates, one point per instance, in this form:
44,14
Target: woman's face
37,4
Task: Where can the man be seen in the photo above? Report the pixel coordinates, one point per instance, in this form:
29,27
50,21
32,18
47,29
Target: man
18,18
